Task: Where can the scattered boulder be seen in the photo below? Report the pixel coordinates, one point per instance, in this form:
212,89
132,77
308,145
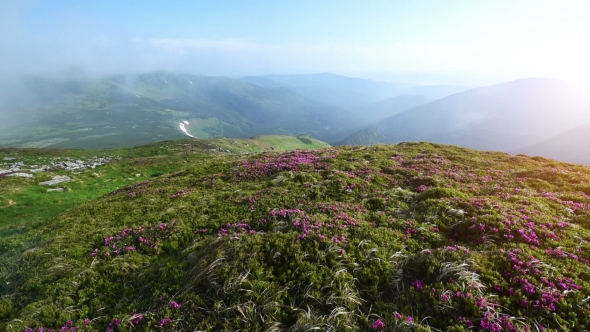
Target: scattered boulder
40,169
67,164
23,175
81,164
56,179
55,189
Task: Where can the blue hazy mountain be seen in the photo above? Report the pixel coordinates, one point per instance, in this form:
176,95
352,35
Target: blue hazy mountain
435,91
570,146
336,90
504,117
389,107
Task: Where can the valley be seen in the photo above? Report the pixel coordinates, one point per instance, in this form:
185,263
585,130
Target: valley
122,110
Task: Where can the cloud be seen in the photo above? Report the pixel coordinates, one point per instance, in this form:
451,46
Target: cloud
75,42
534,58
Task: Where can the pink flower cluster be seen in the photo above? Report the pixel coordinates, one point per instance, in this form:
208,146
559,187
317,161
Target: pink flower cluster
237,229
378,325
182,192
540,291
132,239
267,165
165,321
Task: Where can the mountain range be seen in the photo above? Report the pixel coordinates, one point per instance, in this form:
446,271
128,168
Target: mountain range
505,117
349,92
570,146
123,110
532,115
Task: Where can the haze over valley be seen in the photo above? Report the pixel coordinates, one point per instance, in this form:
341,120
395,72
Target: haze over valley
76,110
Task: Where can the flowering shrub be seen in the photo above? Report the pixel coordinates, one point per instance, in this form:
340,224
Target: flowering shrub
268,165
413,237
132,239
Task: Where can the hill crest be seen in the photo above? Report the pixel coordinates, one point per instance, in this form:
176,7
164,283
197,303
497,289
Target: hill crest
419,236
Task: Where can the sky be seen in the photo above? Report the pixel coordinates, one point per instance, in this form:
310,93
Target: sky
498,38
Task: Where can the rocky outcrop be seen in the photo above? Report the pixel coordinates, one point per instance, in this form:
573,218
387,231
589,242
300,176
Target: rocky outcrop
78,164
56,179
22,175
67,164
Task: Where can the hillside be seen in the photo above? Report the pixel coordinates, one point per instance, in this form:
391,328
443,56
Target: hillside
407,237
94,173
570,146
383,109
336,90
87,112
435,91
368,136
504,117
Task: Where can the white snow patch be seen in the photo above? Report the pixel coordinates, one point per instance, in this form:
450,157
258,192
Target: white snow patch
185,122
183,128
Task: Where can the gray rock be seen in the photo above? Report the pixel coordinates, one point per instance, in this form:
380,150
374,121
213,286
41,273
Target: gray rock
41,169
7,158
56,179
23,175
70,164
55,189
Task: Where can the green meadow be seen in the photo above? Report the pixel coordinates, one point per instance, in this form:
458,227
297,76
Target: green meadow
288,234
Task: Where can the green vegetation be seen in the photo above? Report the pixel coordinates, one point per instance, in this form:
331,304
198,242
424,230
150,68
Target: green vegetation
31,202
411,237
121,110
364,137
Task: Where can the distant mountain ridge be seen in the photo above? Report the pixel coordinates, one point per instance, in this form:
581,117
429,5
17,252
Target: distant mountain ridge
503,117
349,92
336,90
435,91
533,115
391,106
570,146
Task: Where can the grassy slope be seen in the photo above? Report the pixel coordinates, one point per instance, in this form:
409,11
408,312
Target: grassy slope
30,202
364,137
412,237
